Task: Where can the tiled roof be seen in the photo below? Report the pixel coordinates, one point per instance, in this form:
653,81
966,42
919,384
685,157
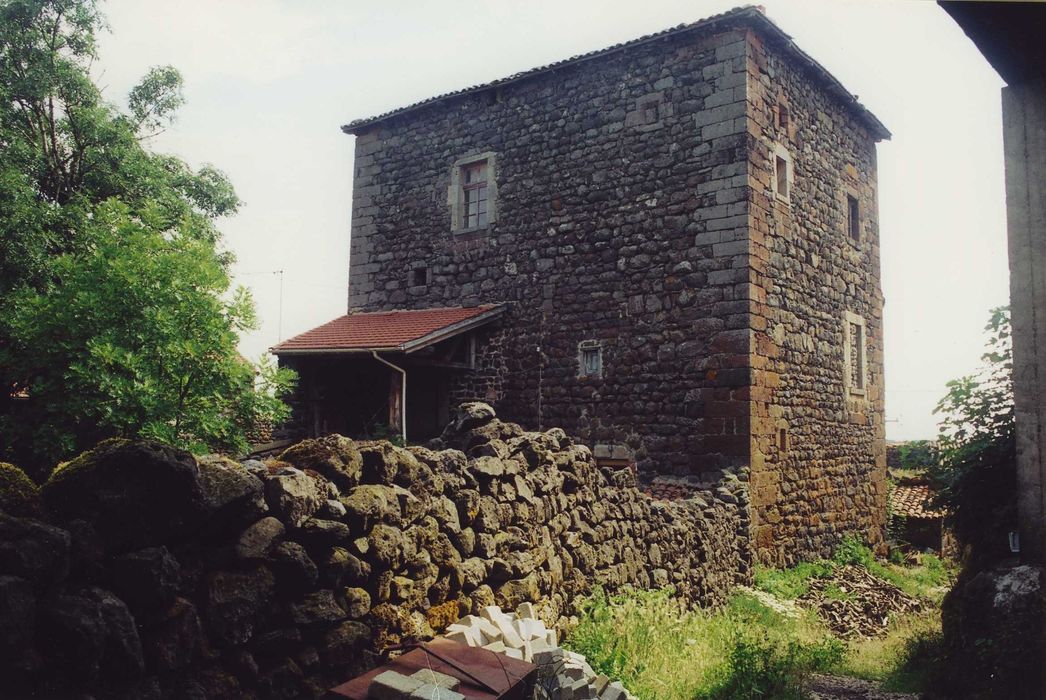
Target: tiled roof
751,14
388,330
914,502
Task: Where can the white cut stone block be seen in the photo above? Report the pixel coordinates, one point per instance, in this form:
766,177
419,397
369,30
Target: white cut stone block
429,691
614,691
550,637
492,613
508,634
496,647
514,653
389,685
528,651
490,631
427,675
526,611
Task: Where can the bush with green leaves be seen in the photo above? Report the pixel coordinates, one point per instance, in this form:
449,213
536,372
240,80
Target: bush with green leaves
976,468
117,316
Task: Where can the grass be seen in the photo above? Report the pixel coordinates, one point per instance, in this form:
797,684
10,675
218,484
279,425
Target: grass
661,650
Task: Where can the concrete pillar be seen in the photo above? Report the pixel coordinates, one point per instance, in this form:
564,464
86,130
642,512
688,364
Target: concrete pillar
1024,134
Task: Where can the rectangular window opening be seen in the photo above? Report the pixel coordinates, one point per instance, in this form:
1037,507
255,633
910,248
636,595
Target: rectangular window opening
651,112
782,116
782,440
474,194
419,276
853,217
781,171
857,369
591,361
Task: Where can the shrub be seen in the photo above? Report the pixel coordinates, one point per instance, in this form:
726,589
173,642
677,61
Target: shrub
762,668
976,473
19,496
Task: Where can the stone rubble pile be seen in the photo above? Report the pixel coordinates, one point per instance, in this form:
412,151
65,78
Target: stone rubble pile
140,571
565,675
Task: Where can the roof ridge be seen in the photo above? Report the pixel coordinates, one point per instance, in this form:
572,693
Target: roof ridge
754,12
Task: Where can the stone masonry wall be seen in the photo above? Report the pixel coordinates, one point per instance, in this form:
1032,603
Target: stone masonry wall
818,448
621,216
145,573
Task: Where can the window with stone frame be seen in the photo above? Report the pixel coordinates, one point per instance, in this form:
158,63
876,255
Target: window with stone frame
473,193
853,217
590,359
782,174
856,364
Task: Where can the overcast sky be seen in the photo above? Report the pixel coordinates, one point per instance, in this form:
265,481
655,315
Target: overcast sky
269,82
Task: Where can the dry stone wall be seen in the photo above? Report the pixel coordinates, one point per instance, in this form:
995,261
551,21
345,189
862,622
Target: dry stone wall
143,572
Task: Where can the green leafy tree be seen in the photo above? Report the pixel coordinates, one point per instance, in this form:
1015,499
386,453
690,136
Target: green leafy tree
116,313
975,471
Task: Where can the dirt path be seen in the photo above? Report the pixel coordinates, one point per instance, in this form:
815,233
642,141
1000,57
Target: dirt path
840,688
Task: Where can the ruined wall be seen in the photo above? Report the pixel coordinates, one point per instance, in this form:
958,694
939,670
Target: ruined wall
818,445
621,215
146,574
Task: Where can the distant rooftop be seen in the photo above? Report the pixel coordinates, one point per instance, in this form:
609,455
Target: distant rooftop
749,15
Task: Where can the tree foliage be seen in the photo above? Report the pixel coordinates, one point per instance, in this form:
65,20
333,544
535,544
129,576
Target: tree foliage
976,471
116,312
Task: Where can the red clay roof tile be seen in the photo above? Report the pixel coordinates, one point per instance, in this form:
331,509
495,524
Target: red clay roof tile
381,330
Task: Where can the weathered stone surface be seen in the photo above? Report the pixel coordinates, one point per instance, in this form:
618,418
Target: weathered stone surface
234,601
172,642
17,617
232,496
294,495
343,644
316,608
94,635
357,602
316,532
135,494
146,579
336,457
295,571
32,549
256,541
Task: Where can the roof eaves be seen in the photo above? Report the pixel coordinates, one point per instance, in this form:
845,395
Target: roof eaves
748,12
451,330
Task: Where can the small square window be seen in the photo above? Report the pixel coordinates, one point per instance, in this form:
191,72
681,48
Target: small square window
651,112
419,276
853,217
590,358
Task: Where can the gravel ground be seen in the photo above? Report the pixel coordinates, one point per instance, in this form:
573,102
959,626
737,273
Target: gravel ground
841,688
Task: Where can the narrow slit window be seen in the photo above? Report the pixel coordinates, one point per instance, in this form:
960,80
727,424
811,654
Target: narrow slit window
853,217
857,370
474,194
781,172
782,116
782,440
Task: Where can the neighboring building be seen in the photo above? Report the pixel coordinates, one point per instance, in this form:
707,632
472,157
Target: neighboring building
1011,37
669,248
